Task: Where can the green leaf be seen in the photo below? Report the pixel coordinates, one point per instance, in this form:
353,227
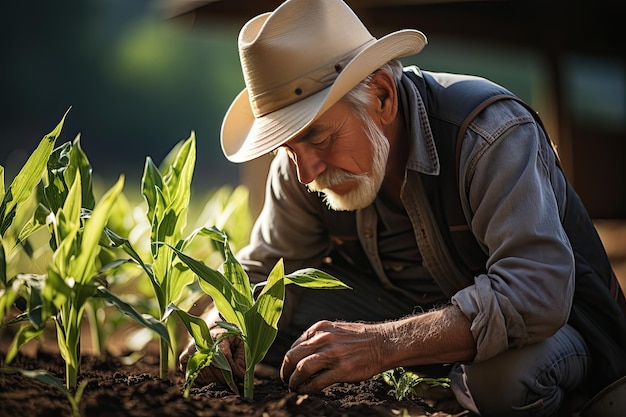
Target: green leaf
3,267
180,277
200,360
50,379
237,276
79,162
1,183
314,278
37,312
230,303
54,193
196,327
178,182
207,351
143,319
262,318
197,361
83,267
47,377
67,343
55,292
151,182
66,225
118,241
23,335
28,177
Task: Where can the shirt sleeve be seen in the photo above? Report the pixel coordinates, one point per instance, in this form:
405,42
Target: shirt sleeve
516,195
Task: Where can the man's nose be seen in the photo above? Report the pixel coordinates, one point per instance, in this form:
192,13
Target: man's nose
309,166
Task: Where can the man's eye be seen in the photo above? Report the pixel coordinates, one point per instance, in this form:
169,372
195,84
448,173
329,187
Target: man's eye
322,143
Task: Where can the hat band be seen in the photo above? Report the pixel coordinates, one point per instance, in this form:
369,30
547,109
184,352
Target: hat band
300,88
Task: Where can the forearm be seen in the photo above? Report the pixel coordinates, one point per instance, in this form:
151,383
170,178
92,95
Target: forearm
440,336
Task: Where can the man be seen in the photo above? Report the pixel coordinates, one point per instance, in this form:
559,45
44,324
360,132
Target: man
472,253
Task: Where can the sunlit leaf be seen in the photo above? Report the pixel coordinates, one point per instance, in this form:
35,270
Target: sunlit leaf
262,318
3,266
150,183
314,278
84,266
28,177
196,327
228,301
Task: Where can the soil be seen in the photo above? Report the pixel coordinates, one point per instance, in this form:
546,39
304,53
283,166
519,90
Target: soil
116,389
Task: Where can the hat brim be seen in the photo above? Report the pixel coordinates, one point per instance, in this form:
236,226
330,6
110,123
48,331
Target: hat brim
245,137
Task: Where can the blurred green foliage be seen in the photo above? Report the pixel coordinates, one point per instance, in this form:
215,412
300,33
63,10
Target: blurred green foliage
136,83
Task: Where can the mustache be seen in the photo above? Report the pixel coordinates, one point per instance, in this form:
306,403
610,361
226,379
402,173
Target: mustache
332,177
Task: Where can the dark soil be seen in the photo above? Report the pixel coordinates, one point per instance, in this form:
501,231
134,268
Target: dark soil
115,389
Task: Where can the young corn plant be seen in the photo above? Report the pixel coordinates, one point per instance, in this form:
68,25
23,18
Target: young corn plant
167,194
403,382
67,208
248,314
15,204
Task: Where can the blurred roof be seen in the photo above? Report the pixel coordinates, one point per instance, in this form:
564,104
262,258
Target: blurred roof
549,25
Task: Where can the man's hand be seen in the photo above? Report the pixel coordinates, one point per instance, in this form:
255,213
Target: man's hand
233,349
331,352
350,352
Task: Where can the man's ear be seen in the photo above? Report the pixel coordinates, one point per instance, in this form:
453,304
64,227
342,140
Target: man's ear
385,96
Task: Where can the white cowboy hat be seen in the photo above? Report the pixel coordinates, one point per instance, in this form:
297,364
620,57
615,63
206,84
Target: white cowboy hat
297,62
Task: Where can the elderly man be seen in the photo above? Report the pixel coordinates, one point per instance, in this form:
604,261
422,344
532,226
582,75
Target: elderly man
439,199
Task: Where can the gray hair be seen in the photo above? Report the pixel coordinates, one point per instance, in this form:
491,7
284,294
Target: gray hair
358,97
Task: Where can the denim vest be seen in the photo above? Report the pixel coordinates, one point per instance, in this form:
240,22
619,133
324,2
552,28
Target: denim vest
599,307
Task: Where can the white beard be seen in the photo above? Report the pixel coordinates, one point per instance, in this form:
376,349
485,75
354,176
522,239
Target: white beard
367,186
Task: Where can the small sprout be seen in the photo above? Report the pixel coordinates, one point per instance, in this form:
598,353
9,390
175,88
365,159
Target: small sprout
403,382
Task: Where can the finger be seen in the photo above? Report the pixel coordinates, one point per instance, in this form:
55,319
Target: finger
234,352
306,369
310,333
215,375
209,375
239,358
299,350
318,382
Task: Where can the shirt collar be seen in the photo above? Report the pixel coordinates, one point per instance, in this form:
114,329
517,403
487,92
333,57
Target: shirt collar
423,156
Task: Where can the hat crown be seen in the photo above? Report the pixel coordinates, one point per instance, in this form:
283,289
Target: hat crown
297,50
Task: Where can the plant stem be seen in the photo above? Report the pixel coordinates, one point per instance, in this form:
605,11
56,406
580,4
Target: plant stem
248,383
164,361
95,329
71,375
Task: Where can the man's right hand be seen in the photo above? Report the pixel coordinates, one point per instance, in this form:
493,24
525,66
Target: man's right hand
233,349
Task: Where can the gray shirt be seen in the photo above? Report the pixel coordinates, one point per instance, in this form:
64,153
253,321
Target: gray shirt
513,195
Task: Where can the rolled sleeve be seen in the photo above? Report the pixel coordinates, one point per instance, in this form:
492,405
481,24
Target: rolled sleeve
516,193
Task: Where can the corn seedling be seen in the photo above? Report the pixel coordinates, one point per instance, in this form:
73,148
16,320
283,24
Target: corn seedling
167,195
403,382
72,280
253,319
14,203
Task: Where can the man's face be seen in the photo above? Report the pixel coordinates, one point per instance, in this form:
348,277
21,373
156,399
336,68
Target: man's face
342,157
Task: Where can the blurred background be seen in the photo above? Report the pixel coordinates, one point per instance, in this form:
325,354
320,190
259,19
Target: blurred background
135,85
141,75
